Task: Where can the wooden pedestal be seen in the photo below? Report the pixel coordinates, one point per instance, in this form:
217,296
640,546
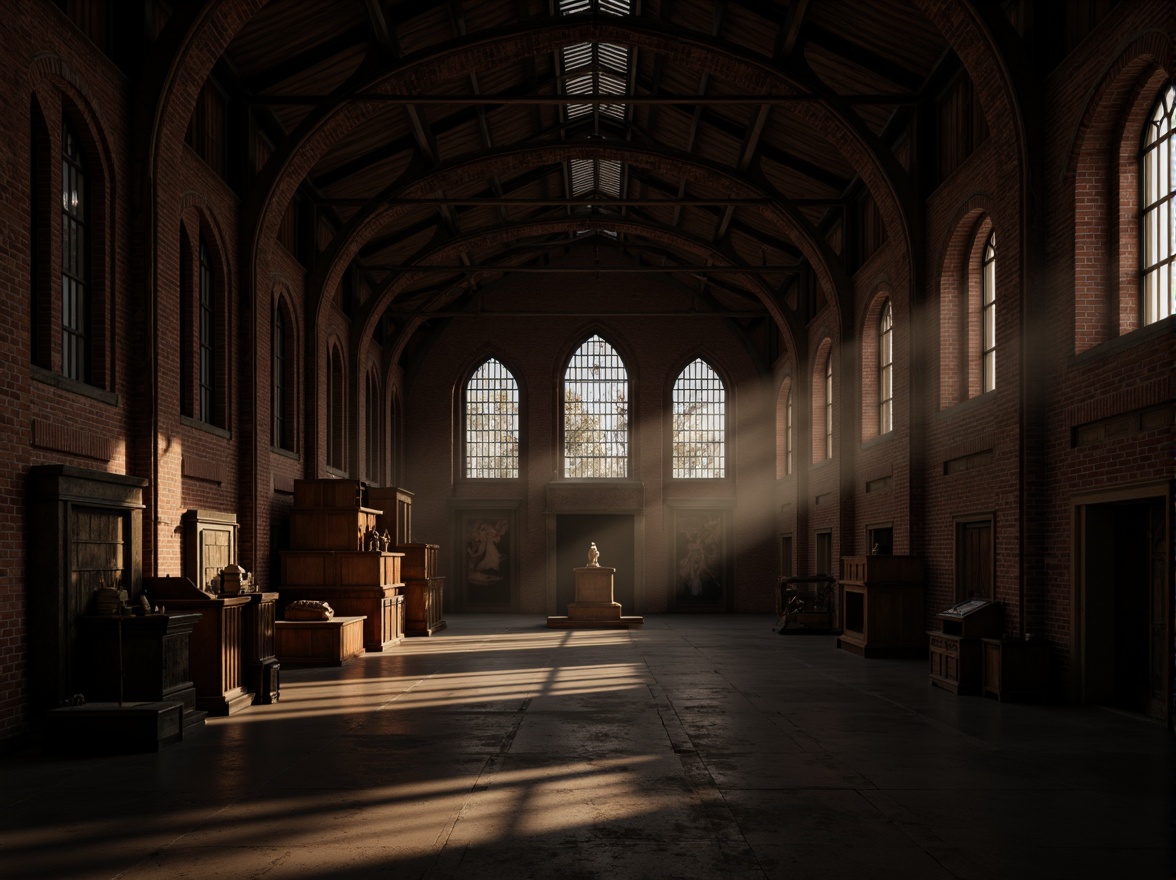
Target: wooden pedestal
262,668
594,607
319,642
423,603
883,620
1015,669
150,657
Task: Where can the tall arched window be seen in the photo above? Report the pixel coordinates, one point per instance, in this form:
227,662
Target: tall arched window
492,423
374,445
596,413
988,316
788,434
285,347
206,411
1158,221
886,369
75,260
699,429
829,405
335,411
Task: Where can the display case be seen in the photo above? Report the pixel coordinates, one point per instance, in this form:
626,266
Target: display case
955,649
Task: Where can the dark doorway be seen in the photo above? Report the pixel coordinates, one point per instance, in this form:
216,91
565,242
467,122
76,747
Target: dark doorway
613,536
1125,637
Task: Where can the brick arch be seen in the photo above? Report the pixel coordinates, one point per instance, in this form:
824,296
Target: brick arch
876,166
282,302
448,251
1104,167
958,287
57,92
368,225
198,223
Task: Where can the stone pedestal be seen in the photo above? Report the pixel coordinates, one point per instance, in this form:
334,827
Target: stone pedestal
594,607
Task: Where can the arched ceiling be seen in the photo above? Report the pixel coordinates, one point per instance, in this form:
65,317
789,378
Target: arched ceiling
721,141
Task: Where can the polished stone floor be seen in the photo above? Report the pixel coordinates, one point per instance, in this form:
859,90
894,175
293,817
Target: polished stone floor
695,747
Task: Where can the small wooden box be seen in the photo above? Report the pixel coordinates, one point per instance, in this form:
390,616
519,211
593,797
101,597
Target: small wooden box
972,619
955,662
420,560
329,493
318,642
330,528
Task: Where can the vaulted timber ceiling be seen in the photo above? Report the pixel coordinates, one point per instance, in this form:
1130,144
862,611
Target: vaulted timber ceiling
688,137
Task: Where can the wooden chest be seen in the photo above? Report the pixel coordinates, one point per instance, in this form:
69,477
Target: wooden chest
319,642
955,662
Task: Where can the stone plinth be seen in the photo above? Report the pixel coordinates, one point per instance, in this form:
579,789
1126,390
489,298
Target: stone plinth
594,607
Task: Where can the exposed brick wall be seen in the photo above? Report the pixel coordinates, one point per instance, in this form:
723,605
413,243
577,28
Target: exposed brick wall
1081,411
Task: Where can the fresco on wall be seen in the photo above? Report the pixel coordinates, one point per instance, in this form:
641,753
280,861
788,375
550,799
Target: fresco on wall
700,556
487,570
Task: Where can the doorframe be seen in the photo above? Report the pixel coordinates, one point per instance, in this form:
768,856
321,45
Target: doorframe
1156,491
597,497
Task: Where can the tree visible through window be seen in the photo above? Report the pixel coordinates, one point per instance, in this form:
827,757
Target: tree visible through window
492,423
1158,223
700,426
596,413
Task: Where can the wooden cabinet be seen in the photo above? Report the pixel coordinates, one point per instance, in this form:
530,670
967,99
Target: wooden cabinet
882,606
955,651
424,599
1015,669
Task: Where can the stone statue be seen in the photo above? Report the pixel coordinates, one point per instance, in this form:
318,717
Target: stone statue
593,556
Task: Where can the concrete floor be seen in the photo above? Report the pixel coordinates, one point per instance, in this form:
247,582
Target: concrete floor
695,747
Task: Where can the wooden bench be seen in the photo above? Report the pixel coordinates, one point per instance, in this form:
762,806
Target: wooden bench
318,642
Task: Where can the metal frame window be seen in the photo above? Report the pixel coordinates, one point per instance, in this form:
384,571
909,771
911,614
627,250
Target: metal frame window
596,413
491,416
829,405
375,430
788,434
886,369
279,402
335,403
988,316
207,344
1158,217
699,431
75,260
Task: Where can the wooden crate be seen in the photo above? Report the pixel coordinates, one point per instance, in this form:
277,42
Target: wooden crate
396,504
329,493
420,560
330,528
318,642
312,568
882,569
